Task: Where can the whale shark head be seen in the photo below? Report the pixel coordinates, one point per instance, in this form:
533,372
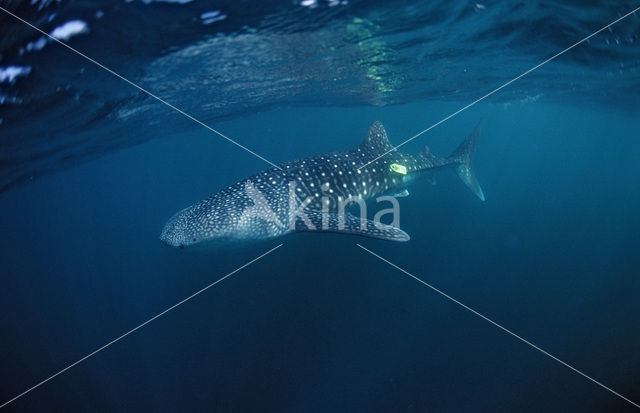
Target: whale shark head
196,224
179,231
239,212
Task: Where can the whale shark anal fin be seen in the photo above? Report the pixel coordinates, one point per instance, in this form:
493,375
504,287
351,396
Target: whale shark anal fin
349,224
401,194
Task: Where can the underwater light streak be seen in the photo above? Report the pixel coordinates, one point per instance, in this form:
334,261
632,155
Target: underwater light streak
503,86
499,326
159,99
140,326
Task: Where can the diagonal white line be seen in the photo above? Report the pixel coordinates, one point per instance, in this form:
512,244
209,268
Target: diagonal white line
140,326
503,86
141,88
499,326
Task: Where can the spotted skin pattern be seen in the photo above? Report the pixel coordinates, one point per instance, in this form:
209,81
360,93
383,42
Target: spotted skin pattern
259,206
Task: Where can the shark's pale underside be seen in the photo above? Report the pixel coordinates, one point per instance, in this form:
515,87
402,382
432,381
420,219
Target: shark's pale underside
306,194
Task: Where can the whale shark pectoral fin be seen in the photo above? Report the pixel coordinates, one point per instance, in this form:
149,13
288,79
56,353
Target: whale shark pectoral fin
349,224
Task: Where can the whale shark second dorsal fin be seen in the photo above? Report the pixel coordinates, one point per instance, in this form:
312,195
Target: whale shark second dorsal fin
377,141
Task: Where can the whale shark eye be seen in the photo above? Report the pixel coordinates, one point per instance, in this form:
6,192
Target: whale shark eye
194,240
181,246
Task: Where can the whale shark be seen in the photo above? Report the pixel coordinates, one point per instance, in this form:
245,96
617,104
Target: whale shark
317,194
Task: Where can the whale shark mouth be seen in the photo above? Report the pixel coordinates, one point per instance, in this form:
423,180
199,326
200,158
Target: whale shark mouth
167,237
173,233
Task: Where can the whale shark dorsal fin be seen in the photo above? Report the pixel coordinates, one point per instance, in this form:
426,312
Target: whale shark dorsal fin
377,141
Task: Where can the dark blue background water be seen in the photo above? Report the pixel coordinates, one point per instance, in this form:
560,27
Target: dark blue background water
320,325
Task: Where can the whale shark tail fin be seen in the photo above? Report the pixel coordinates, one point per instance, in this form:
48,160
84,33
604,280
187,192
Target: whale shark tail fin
462,158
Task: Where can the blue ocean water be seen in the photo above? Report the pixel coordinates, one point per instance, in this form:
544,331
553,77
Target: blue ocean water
91,169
